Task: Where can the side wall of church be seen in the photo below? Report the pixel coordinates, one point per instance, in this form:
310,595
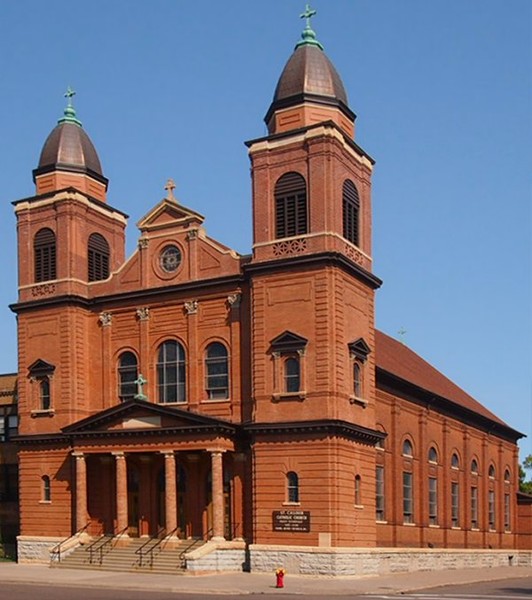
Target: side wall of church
326,468
426,428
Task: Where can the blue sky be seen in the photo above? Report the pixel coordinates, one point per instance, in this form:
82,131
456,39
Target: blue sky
442,90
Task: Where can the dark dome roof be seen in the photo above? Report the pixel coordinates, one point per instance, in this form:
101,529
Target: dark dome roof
69,148
309,72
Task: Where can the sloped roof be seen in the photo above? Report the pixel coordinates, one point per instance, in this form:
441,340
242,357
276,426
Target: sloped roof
398,359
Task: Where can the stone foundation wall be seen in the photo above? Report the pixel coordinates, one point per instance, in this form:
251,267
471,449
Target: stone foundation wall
35,549
344,561
224,556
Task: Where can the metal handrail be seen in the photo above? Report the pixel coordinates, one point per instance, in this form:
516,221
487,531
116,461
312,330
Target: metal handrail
57,548
94,547
158,544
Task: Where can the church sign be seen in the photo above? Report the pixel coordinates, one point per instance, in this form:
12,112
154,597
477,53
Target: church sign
291,520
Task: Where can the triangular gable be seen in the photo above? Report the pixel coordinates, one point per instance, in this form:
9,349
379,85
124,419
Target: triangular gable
168,213
138,414
359,348
288,342
40,368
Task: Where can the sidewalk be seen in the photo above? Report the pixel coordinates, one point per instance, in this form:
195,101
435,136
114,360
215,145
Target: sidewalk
253,583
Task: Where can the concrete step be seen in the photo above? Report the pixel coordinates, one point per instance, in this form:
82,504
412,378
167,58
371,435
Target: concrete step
127,558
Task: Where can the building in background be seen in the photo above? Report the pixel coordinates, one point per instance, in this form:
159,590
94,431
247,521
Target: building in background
9,513
190,392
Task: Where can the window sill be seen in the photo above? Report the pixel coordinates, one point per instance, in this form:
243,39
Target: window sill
381,522
45,502
50,412
456,527
289,396
215,400
359,401
359,506
291,503
433,526
409,524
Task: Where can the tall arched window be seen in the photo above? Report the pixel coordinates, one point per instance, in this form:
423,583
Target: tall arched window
290,206
357,380
351,210
491,472
216,371
474,467
358,490
292,487
98,257
46,489
45,394
127,375
455,461
44,248
171,372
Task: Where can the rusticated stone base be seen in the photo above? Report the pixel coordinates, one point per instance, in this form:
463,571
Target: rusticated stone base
35,549
381,561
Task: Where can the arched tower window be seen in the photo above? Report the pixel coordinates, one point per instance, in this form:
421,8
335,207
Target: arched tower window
433,455
292,487
46,489
455,461
98,257
44,248
292,377
216,371
351,210
171,372
290,206
127,375
358,490
45,394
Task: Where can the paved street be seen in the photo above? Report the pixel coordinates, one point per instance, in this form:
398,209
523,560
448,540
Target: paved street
507,589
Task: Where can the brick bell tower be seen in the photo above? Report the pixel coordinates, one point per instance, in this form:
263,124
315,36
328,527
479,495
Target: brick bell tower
312,291
69,243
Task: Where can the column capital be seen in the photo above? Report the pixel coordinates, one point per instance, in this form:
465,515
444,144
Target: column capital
216,450
168,453
78,454
119,454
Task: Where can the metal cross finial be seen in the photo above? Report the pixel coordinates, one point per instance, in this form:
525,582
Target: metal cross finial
140,381
69,93
401,333
170,187
308,14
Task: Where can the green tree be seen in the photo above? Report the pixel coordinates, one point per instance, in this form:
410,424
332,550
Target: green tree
525,486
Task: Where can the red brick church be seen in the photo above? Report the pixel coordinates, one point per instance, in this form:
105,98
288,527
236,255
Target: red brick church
189,392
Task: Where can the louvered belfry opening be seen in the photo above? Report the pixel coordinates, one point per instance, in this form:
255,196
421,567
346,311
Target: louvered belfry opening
351,209
290,206
98,257
45,255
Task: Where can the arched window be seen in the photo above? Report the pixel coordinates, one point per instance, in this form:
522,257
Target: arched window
290,205
45,394
455,461
433,455
98,257
507,476
127,375
171,372
474,467
357,380
407,448
351,209
46,489
44,248
491,472
292,377
358,490
216,371
292,487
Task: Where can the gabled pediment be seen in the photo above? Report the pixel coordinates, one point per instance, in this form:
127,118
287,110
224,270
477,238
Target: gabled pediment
359,348
139,415
288,342
40,368
168,213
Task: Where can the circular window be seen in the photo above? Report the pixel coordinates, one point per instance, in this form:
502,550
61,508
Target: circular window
170,259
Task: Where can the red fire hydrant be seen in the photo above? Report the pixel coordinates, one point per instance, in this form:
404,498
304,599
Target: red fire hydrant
279,574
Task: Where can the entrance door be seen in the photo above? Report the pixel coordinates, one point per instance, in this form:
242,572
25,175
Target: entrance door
133,487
